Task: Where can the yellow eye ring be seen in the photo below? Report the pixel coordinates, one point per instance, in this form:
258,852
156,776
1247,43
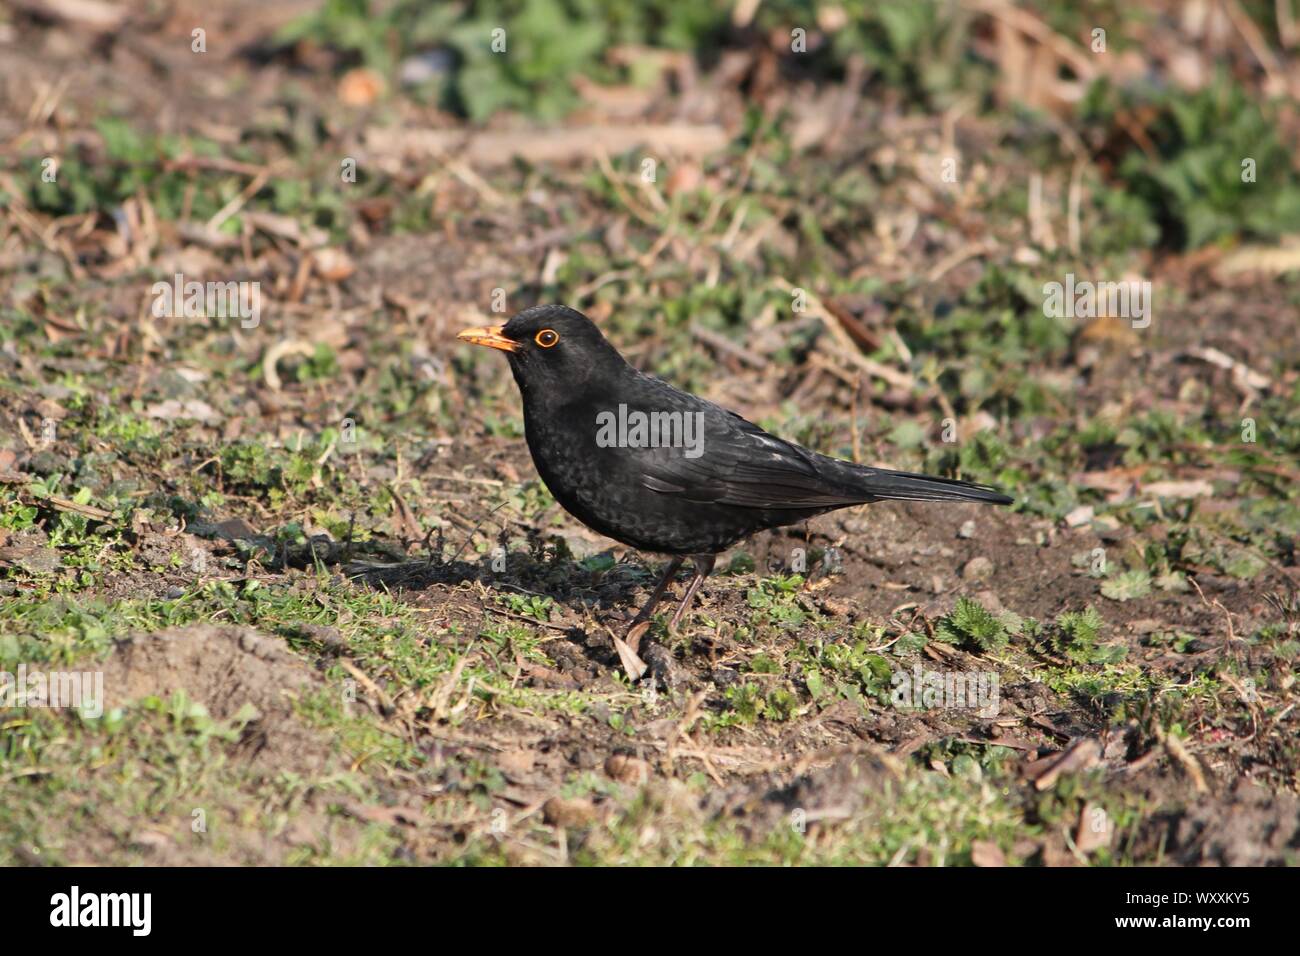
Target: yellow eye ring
547,338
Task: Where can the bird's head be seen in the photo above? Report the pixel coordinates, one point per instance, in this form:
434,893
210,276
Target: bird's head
548,346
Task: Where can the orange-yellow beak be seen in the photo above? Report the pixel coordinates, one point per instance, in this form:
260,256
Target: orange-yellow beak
491,336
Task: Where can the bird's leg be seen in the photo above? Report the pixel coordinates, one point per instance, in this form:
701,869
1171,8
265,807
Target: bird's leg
656,596
658,659
640,623
703,565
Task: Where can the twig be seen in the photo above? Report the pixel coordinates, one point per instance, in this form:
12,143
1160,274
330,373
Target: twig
502,147
63,504
1032,26
232,208
723,344
1259,47
1183,756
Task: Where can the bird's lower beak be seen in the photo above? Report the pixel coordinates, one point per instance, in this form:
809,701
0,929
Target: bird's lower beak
491,336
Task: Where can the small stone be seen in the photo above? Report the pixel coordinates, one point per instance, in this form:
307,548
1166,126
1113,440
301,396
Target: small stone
360,87
333,265
234,529
967,529
192,410
627,769
563,812
1080,516
977,569
329,637
33,560
663,668
46,462
48,408
684,179
986,853
724,676
425,66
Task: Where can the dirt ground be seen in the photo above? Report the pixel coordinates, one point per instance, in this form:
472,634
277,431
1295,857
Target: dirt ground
340,620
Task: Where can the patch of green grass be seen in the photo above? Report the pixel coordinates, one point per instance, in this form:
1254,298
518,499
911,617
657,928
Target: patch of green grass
1076,634
924,818
775,601
161,765
524,56
842,671
973,627
1216,168
1121,690
1127,585
170,754
535,606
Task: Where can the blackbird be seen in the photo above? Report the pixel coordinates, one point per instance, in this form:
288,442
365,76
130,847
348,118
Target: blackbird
664,471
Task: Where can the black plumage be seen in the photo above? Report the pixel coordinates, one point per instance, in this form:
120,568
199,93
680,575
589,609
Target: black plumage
720,478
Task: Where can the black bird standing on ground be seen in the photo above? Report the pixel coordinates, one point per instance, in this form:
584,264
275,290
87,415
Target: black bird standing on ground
662,470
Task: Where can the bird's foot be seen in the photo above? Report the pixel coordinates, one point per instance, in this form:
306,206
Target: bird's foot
646,659
663,670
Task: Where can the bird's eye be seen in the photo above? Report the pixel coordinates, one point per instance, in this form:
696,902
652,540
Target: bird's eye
546,338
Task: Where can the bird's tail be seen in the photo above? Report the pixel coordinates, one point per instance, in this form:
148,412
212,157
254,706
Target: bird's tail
885,485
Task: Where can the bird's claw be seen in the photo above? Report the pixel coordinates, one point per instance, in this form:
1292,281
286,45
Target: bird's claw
662,666
658,662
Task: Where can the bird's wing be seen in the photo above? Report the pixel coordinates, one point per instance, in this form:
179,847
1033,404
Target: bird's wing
737,463
740,464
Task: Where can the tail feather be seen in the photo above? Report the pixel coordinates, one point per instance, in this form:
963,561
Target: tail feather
886,485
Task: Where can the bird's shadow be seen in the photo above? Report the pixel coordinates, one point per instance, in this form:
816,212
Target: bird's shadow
598,586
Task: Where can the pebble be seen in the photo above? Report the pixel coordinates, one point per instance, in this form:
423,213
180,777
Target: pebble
1080,516
627,769
562,812
977,569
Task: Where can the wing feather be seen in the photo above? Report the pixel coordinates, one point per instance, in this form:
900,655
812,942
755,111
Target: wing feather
744,466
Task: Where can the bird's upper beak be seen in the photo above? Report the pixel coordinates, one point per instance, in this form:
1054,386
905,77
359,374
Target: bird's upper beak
491,336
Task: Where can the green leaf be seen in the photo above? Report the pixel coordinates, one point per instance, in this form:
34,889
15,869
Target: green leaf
972,625
1244,564
1127,586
